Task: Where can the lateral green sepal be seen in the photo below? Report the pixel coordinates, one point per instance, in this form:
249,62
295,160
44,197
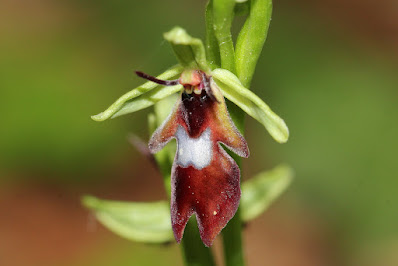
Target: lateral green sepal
150,93
249,102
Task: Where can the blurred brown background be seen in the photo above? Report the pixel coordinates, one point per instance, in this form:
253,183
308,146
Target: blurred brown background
329,68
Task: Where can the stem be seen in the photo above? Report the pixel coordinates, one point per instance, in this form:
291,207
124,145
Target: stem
249,45
195,253
232,233
220,51
223,14
232,240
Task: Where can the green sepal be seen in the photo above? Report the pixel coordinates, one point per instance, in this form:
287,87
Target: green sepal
141,97
190,51
148,99
260,191
137,221
249,102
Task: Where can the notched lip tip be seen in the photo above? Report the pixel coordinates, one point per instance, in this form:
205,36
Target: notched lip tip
178,240
207,244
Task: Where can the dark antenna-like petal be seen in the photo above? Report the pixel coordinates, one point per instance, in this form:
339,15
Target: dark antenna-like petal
156,80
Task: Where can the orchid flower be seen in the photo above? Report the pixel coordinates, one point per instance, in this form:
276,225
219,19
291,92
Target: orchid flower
205,180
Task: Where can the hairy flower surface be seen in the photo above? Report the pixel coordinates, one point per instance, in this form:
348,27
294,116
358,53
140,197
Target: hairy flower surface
205,179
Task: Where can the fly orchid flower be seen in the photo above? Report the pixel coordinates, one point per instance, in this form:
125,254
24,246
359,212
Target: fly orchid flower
205,180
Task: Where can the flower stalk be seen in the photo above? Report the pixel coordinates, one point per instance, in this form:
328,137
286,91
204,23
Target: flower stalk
223,14
248,48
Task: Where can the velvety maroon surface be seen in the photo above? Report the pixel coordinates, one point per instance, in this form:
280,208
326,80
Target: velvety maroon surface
212,193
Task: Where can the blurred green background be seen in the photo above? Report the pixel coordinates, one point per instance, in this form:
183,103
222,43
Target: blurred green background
329,68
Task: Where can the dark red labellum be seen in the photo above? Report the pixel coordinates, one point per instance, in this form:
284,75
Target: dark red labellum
205,179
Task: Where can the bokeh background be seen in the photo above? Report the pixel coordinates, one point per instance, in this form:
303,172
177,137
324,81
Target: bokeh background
329,68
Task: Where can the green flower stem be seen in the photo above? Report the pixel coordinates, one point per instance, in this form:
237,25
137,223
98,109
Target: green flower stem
248,48
232,233
251,39
220,51
223,14
195,253
232,241
193,250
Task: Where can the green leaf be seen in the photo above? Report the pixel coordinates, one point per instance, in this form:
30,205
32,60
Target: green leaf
212,51
260,191
125,104
190,51
251,104
223,15
251,38
141,222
